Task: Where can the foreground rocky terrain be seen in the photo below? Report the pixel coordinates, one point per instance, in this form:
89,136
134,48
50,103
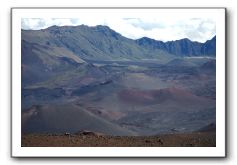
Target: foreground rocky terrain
198,139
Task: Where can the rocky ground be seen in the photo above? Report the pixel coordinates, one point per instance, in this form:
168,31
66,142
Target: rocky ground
199,139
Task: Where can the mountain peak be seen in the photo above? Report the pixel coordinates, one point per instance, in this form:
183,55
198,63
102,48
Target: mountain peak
145,38
147,41
185,39
53,27
103,27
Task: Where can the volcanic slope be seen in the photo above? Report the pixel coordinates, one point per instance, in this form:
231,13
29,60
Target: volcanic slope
66,118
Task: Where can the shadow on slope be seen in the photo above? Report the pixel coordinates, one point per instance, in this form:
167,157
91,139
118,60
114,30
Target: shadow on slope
66,118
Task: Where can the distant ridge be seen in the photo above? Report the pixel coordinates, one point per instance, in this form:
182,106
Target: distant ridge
102,43
183,47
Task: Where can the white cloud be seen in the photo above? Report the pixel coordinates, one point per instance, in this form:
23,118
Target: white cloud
159,28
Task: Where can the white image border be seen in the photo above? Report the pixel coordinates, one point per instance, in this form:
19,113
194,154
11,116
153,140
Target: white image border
18,151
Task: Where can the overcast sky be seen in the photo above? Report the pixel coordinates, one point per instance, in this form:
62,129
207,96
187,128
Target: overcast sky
165,29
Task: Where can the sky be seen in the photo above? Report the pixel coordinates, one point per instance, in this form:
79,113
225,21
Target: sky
159,28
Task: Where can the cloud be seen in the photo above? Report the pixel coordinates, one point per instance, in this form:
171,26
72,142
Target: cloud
148,25
159,28
42,23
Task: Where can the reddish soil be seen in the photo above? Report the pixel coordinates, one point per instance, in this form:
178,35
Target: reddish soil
158,96
202,139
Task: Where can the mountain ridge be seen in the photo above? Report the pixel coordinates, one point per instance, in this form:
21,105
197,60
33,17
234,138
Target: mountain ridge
100,43
105,26
182,47
103,43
